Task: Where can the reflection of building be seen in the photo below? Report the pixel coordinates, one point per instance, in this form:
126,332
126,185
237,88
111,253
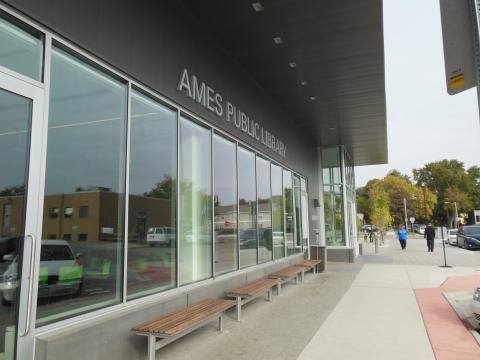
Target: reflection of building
87,216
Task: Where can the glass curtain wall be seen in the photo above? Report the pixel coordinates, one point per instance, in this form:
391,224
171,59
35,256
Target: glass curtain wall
277,213
350,197
21,50
304,213
297,195
81,255
247,204
264,197
152,197
288,212
333,197
195,221
225,204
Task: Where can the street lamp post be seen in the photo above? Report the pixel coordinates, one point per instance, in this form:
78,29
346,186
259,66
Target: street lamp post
456,212
405,209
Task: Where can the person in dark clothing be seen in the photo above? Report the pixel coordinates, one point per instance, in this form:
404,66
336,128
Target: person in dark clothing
430,236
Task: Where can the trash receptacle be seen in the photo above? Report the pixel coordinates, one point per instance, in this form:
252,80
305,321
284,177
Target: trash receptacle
360,249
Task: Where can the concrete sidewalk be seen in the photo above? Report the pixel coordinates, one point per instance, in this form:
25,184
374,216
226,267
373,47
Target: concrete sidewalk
378,317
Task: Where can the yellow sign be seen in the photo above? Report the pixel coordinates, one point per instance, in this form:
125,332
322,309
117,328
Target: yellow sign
457,81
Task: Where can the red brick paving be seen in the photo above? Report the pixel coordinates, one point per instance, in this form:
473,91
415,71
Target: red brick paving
449,337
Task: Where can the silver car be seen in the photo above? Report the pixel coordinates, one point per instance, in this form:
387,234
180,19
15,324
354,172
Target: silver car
452,236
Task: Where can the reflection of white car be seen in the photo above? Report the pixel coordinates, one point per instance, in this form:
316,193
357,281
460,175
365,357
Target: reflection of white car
160,236
475,305
452,236
59,272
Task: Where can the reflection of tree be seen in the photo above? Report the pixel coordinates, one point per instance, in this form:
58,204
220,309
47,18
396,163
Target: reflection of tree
164,189
13,190
196,205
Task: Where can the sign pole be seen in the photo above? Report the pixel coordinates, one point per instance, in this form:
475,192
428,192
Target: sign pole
444,254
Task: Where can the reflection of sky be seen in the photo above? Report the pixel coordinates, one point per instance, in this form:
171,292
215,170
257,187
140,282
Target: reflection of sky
14,121
246,175
86,127
152,137
224,171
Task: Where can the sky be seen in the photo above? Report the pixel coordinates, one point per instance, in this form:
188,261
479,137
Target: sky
424,123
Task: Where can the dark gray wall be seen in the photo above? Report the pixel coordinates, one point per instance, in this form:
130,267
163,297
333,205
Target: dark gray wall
152,42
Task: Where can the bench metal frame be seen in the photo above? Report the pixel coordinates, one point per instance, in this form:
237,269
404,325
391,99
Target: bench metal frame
164,340
240,299
284,280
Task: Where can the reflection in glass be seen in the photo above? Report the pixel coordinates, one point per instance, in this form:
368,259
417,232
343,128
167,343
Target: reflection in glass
85,167
264,211
247,203
277,213
225,204
288,203
195,221
152,200
298,214
304,212
20,50
15,115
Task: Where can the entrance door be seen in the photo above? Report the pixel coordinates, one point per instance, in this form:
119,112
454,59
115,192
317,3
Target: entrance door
21,112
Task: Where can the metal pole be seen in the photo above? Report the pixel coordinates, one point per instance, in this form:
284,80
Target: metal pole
444,253
405,209
456,214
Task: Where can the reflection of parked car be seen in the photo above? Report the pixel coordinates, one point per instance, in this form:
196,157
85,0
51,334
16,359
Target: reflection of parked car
469,237
367,228
475,304
452,236
160,236
9,245
248,239
59,274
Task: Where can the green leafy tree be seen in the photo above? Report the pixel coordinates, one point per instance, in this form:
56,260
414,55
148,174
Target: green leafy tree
379,206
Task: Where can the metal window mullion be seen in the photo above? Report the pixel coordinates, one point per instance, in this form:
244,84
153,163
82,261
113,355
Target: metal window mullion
271,210
344,197
294,213
238,207
284,218
127,192
177,199
212,184
256,208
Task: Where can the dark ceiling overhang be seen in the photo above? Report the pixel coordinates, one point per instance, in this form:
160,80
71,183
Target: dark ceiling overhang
327,72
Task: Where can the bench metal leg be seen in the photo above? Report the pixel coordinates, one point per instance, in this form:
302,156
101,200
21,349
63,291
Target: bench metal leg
279,288
296,279
315,269
239,308
303,276
220,322
152,340
269,295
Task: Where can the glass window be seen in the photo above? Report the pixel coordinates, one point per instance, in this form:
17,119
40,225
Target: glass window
298,214
264,211
195,222
288,203
53,212
83,212
277,213
152,207
247,203
225,205
21,49
305,229
85,164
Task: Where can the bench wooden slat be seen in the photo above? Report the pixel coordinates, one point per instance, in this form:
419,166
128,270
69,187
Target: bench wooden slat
199,317
289,272
252,288
172,317
179,320
309,263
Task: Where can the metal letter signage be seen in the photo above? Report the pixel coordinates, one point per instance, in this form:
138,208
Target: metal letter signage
213,101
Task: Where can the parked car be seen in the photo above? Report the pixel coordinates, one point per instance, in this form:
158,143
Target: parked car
59,274
468,237
367,228
160,236
452,236
475,304
419,228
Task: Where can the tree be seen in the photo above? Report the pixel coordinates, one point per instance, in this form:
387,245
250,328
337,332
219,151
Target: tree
379,206
450,182
164,189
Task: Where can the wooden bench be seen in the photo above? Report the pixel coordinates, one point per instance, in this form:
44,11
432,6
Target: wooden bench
310,265
251,291
174,325
288,274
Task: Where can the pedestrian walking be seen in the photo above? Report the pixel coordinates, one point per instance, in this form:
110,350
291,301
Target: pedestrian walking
430,236
402,236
